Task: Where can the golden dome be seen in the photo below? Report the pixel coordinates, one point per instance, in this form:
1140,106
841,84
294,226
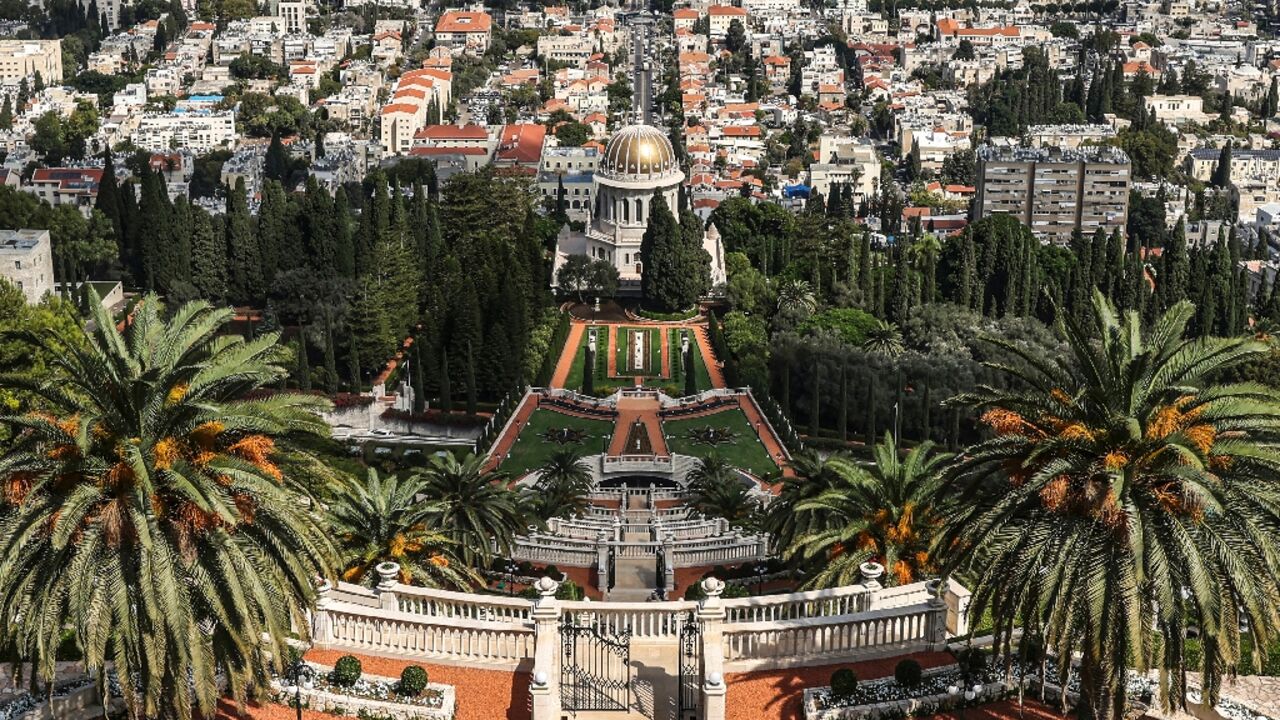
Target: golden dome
639,150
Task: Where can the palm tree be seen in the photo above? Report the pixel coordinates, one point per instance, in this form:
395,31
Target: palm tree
156,511
564,485
1126,497
716,490
382,520
878,512
811,476
796,296
477,511
884,338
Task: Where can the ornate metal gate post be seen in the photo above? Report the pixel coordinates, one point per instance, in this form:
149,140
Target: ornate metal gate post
544,686
711,615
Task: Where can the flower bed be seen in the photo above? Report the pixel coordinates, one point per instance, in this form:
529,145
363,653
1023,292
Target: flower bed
371,695
884,698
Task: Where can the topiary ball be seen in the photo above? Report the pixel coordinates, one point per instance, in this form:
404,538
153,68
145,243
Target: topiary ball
413,681
843,683
907,673
347,671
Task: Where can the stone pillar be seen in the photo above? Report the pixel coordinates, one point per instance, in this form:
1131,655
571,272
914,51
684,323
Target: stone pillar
722,526
388,579
871,573
321,624
617,529
544,685
936,626
669,562
711,616
602,563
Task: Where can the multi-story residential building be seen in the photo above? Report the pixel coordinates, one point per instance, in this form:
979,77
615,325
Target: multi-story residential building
1177,109
575,50
572,168
845,161
76,186
1261,166
197,131
720,17
1068,136
461,31
294,15
1053,191
416,93
26,260
24,58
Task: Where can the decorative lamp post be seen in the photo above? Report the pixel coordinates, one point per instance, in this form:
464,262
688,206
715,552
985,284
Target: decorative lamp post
298,672
760,569
511,578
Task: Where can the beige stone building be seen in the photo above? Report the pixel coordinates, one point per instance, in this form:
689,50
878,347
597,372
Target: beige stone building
25,58
1054,191
26,260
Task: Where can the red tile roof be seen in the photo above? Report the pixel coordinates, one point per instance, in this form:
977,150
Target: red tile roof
521,143
458,21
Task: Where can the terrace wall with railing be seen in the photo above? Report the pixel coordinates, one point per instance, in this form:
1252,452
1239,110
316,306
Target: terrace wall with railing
767,632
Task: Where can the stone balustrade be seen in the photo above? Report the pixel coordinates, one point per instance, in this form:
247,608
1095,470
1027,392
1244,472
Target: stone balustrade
837,625
576,551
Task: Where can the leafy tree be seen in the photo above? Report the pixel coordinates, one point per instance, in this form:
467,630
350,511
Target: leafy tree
1222,169
381,520
145,461
1124,498
572,134
735,38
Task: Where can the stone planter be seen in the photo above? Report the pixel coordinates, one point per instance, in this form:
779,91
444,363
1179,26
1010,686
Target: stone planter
896,709
337,703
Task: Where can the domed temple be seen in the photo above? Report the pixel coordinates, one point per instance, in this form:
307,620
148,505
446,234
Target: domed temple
638,162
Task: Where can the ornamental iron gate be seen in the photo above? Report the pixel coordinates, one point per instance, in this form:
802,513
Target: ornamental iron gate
595,668
690,663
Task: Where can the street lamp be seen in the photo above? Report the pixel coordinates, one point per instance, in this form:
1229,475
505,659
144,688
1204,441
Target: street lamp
511,578
760,569
298,672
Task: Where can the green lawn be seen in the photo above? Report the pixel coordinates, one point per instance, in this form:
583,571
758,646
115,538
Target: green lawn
532,450
653,337
574,381
701,376
744,451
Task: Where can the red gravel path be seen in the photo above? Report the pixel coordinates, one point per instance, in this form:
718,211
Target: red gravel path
567,354
779,694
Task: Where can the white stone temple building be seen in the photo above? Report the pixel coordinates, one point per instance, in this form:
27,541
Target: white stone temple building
638,162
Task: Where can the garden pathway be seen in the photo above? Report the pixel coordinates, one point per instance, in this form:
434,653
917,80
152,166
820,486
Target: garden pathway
568,353
507,440
714,370
645,411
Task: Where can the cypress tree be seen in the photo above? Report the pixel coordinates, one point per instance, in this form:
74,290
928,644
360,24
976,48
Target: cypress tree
330,353
446,388
208,256
273,226
108,200
6,114
242,248
589,372
353,365
815,399
419,377
321,240
870,438
844,402
344,248
304,366
690,377
275,165
1221,177
472,396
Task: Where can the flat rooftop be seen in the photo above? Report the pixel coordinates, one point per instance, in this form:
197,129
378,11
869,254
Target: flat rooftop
21,240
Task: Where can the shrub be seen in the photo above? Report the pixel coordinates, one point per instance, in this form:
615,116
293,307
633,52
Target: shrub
971,660
552,572
735,590
844,683
346,671
907,673
570,590
413,681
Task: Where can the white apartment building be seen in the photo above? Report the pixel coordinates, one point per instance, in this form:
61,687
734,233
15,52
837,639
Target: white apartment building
26,260
199,132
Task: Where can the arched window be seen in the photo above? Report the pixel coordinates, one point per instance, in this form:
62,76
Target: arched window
639,211
626,211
